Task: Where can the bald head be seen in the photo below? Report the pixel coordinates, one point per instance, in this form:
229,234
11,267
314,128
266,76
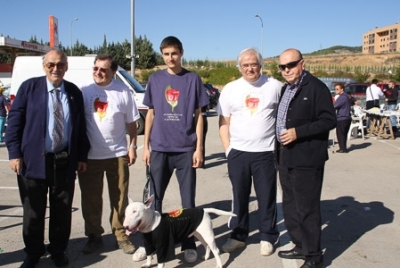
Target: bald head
291,64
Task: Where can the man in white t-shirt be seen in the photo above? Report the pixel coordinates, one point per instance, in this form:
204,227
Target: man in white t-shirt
247,109
110,113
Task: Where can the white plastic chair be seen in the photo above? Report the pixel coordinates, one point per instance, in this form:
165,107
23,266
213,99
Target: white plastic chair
357,122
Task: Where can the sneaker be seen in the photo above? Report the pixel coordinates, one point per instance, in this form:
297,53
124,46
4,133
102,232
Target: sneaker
190,255
93,244
126,246
139,255
266,248
232,244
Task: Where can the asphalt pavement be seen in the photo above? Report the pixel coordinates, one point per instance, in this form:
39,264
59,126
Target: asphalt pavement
360,201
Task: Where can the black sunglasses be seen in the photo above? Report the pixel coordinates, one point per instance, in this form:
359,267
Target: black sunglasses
102,70
289,65
51,65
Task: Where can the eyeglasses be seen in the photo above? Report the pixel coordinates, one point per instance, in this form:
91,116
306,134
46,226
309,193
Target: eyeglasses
249,65
51,65
289,65
101,70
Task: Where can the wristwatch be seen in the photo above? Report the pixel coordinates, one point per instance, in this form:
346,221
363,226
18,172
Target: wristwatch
134,146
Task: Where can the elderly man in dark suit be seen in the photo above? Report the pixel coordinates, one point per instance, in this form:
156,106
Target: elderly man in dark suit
305,117
47,144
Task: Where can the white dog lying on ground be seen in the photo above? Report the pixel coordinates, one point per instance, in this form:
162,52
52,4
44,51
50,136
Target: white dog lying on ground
162,232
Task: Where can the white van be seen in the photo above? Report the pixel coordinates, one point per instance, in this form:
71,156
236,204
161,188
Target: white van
80,73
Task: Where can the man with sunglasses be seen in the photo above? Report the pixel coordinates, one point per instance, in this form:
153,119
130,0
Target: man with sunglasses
247,130
111,113
47,143
304,118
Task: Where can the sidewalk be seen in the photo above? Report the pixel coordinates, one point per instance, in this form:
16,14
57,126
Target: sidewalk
360,199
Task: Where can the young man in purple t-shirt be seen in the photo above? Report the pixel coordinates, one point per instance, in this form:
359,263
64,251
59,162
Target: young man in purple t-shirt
173,137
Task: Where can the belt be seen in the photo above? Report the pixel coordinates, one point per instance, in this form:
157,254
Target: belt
63,153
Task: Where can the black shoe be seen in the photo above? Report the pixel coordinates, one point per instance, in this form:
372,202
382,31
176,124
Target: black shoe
290,254
60,259
93,244
30,262
312,264
342,151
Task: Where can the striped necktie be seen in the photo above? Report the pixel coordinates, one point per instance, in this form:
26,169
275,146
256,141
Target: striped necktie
58,127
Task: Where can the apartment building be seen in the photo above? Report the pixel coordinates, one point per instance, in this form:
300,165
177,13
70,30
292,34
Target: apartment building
381,40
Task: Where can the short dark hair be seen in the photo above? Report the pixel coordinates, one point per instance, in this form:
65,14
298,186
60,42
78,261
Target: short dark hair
171,41
114,63
375,81
341,85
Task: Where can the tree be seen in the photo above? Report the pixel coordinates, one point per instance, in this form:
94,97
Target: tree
274,71
145,54
359,76
33,40
80,49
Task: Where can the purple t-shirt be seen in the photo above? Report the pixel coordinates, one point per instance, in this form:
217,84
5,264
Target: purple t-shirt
174,99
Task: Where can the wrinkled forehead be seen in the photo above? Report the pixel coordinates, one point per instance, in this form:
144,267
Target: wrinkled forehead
55,56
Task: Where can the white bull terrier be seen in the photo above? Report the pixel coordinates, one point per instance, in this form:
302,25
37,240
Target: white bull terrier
162,232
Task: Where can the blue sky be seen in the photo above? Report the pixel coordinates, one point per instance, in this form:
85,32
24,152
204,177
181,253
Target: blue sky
208,29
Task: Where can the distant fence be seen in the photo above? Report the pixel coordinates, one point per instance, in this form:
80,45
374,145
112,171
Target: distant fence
350,69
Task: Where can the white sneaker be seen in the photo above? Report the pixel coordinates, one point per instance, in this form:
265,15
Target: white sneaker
266,248
190,255
139,255
232,244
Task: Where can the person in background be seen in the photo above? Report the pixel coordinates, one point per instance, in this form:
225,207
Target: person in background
3,113
391,95
247,130
342,106
110,114
305,117
173,137
373,94
47,143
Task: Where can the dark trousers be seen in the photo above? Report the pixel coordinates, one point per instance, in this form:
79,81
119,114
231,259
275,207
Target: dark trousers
33,193
245,168
370,104
162,167
301,189
342,128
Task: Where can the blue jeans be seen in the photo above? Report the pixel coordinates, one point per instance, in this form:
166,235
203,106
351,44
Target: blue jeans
392,107
2,123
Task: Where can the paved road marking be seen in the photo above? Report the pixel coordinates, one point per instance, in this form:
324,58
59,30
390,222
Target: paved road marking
12,213
391,145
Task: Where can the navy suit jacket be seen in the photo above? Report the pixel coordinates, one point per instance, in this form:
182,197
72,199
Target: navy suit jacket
26,130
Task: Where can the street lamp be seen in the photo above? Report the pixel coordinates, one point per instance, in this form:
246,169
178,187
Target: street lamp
71,32
262,33
133,38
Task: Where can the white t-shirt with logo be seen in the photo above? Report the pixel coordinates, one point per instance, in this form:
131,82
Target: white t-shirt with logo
107,110
252,110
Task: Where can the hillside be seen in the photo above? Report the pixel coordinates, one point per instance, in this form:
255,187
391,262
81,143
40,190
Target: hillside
348,56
